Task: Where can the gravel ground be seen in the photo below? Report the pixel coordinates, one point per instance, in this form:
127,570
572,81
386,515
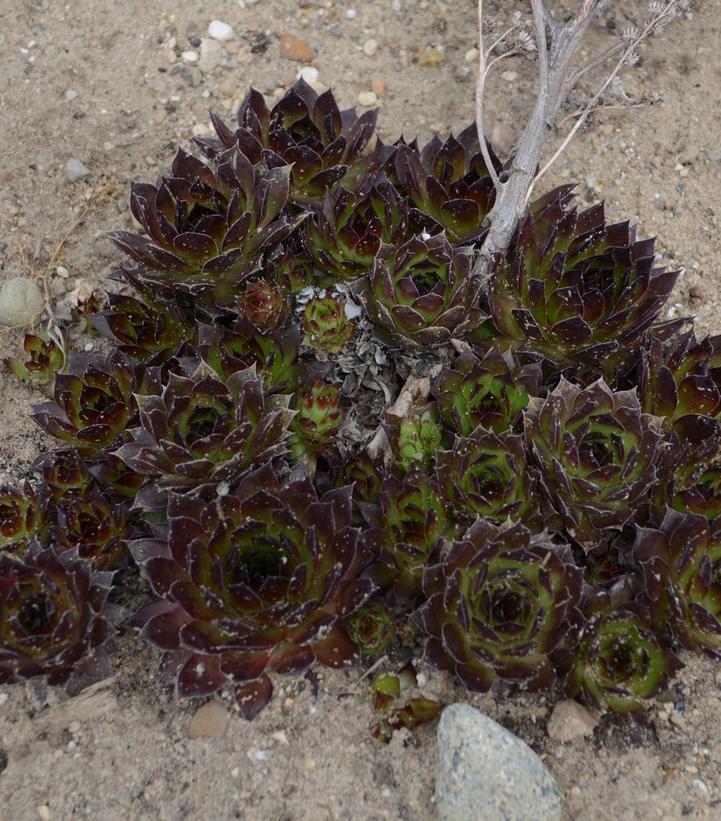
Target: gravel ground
113,87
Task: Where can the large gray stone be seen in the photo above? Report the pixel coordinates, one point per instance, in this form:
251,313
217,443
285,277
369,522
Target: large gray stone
21,301
485,773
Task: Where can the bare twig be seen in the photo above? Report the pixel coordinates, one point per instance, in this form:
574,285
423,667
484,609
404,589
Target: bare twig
557,46
647,30
480,88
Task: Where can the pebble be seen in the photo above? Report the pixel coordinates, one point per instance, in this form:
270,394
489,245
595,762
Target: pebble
503,137
211,52
75,170
351,14
430,57
696,292
510,76
700,787
472,55
367,98
571,720
378,85
310,74
370,47
486,772
71,94
293,48
220,31
190,56
210,721
43,812
20,301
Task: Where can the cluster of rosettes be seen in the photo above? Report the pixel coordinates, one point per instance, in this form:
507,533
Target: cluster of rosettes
545,515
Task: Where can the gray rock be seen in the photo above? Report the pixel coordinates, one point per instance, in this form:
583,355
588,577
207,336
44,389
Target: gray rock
76,170
485,772
20,301
211,53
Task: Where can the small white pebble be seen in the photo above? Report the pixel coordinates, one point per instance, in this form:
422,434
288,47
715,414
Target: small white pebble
88,347
471,56
510,76
310,74
235,772
190,56
261,755
370,47
351,14
221,31
367,98
71,94
62,271
43,812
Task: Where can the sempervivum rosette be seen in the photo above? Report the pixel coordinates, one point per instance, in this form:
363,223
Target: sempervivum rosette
619,660
575,290
499,603
44,358
681,564
424,293
54,619
344,238
94,526
491,390
449,185
93,403
597,453
327,328
305,132
407,522
199,430
486,474
207,226
255,580
21,512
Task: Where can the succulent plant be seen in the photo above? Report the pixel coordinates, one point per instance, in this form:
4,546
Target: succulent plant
316,423
139,329
498,604
424,294
305,132
274,353
408,522
54,620
93,403
326,326
486,474
198,431
206,227
96,528
21,512
681,377
542,498
619,660
371,629
65,476
255,580
415,439
449,185
491,391
597,453
44,358
577,291
681,564
264,305
346,236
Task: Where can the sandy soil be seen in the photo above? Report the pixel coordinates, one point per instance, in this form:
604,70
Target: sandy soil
122,751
